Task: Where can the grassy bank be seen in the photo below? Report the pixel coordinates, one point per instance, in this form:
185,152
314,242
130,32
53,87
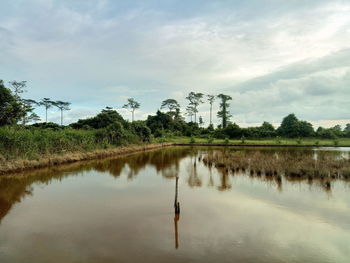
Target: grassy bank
345,142
22,148
19,164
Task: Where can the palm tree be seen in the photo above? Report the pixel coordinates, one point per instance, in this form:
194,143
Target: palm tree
132,105
62,105
211,99
47,103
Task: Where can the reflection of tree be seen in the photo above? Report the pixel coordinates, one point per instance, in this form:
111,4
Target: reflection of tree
193,179
224,179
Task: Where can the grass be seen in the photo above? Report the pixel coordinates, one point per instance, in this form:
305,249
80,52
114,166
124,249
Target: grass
277,142
325,166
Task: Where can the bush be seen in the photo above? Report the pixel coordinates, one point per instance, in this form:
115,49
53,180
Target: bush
227,140
192,140
210,139
278,140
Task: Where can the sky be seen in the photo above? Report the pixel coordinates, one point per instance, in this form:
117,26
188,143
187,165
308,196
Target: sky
274,57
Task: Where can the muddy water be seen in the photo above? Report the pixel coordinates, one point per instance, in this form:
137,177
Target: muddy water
122,210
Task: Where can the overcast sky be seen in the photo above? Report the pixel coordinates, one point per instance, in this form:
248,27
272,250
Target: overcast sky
273,57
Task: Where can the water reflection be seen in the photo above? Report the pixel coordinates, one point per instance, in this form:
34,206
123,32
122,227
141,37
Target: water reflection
112,196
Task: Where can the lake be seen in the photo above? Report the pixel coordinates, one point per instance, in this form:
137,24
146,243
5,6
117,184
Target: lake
122,210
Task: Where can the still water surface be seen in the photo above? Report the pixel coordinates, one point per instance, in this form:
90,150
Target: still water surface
122,210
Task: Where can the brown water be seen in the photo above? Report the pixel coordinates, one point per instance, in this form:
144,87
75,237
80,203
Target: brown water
122,210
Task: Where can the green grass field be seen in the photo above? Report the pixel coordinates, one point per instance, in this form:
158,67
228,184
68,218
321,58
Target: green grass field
282,141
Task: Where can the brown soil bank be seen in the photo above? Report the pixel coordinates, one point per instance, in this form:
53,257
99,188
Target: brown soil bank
7,166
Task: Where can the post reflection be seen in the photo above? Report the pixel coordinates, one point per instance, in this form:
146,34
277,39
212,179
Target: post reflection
177,212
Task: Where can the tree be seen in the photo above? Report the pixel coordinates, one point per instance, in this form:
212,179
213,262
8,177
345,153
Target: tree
211,99
47,103
173,106
291,127
190,111
18,87
195,99
201,122
63,106
224,112
10,107
131,106
27,110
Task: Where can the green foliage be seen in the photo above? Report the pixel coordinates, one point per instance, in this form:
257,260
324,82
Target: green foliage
278,140
299,141
210,139
10,107
291,127
30,142
141,130
101,120
233,131
227,140
224,114
242,139
192,140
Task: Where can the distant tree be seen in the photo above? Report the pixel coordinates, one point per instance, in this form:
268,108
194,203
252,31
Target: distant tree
27,110
62,106
132,105
305,129
33,117
211,99
47,103
18,87
190,110
194,100
201,122
10,107
232,130
100,121
173,107
347,130
291,127
224,112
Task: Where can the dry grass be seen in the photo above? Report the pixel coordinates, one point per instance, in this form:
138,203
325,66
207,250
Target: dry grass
325,167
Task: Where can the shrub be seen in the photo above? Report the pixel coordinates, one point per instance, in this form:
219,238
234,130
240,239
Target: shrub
192,140
278,140
210,139
227,140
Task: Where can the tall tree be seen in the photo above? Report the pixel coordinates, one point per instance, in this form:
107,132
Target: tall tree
194,100
47,103
18,87
190,111
224,112
131,106
172,105
211,99
201,122
63,106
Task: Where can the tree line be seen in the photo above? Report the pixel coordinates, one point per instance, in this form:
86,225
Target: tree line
168,120
14,108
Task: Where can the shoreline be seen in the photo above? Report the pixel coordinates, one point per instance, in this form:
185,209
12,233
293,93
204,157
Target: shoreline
20,165
261,145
